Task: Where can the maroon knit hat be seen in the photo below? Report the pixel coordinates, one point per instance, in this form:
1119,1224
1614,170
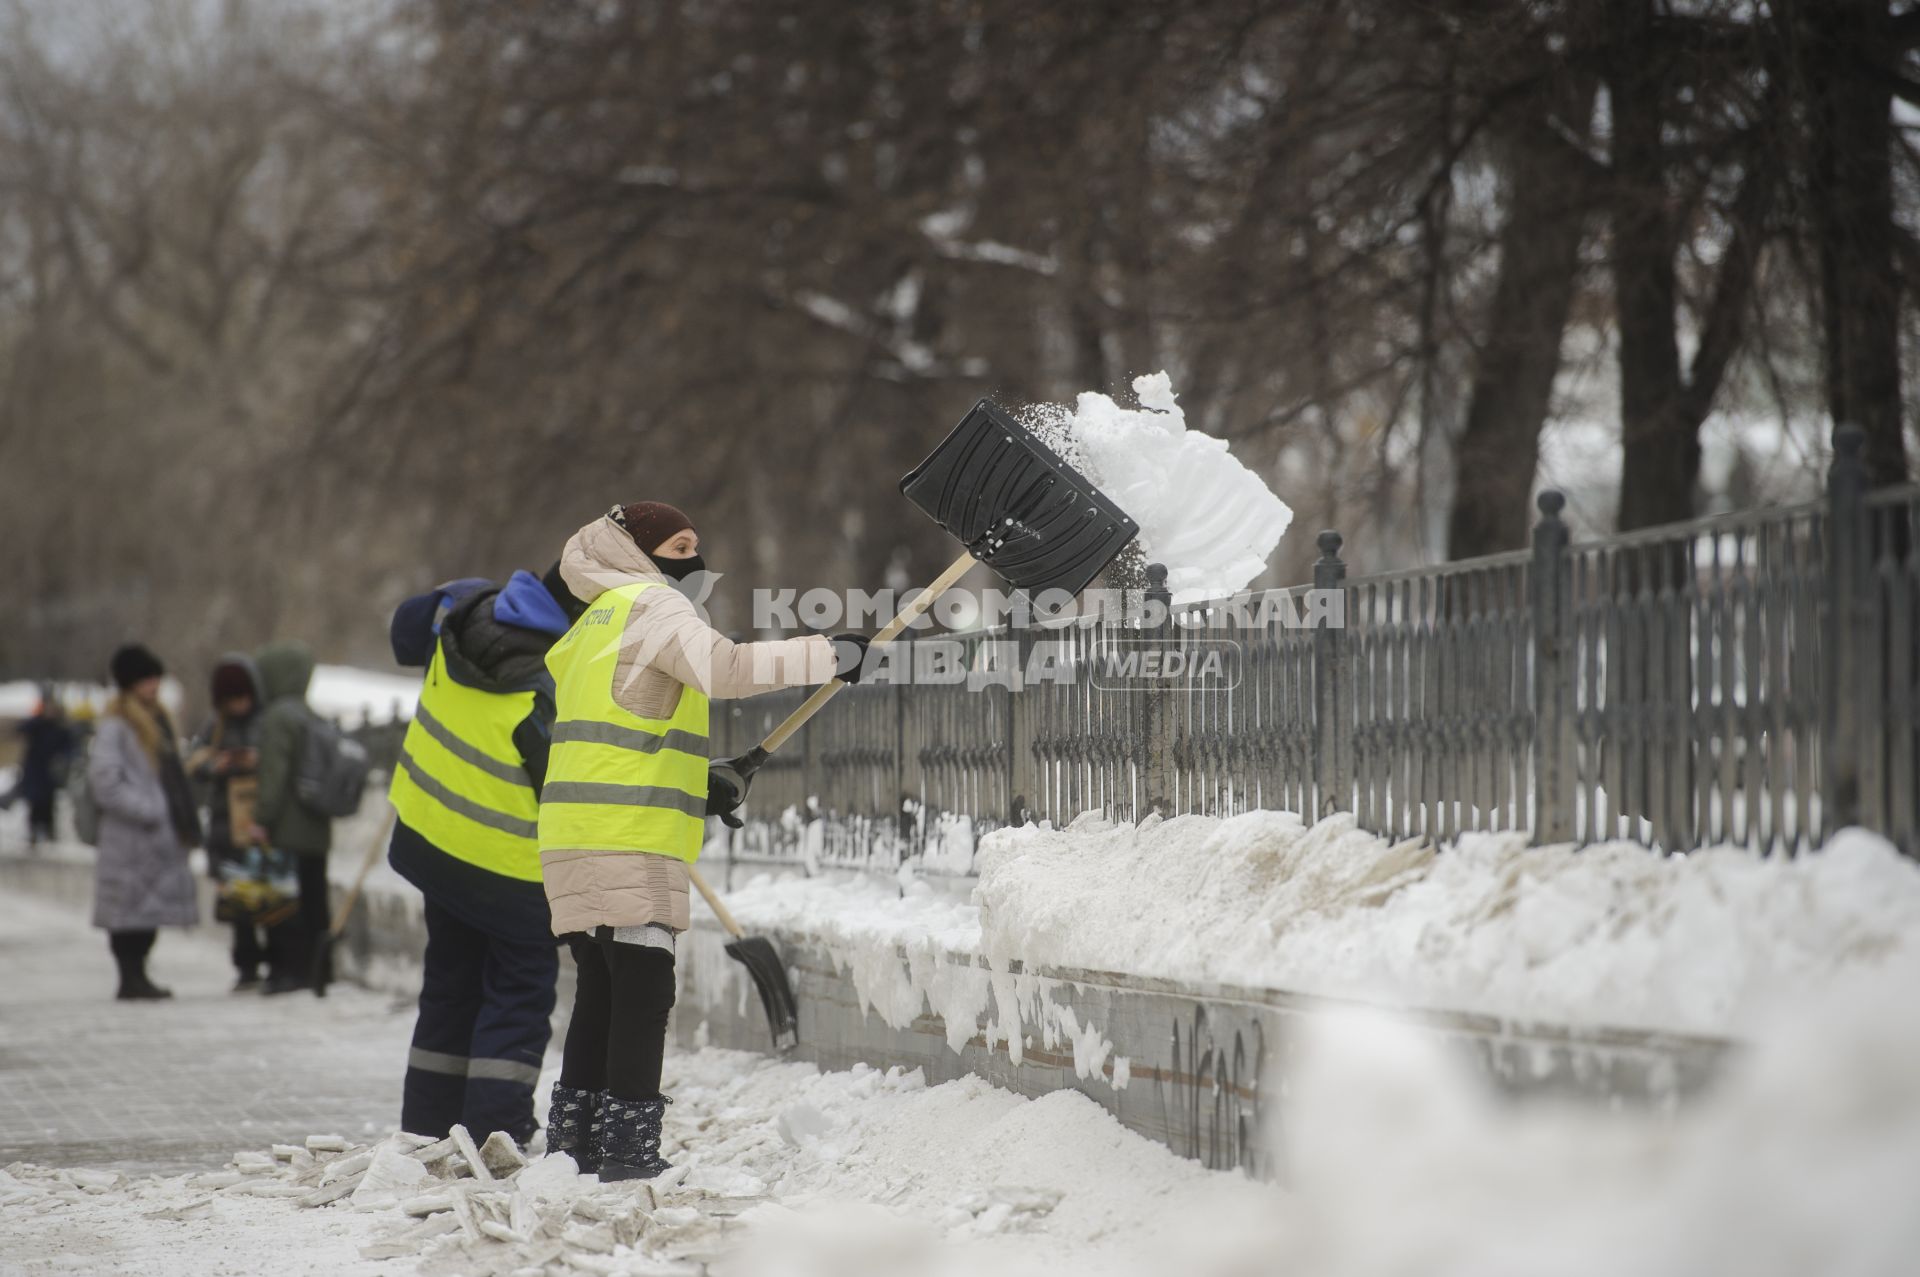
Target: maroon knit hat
231,679
650,522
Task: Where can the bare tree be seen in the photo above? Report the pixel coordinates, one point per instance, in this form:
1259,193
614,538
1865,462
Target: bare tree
303,316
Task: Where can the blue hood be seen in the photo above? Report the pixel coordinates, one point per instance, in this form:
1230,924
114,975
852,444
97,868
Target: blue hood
525,602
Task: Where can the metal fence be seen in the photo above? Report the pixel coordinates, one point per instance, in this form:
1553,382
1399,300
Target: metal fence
1749,678
380,740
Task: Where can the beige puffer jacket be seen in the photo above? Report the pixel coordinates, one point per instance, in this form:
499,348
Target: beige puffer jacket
666,649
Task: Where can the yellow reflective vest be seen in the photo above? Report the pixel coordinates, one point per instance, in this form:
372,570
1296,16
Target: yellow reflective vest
617,781
461,782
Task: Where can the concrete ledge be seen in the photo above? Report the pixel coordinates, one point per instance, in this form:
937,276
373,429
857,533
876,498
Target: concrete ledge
1187,1067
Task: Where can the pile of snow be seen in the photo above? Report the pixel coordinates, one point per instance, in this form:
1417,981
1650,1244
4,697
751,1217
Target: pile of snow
1201,512
894,911
1802,1160
1610,935
355,696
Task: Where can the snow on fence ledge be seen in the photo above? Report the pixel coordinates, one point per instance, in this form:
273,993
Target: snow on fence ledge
1747,679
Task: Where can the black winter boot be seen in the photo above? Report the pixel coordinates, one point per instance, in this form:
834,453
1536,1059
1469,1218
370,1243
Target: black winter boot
572,1119
130,949
627,1138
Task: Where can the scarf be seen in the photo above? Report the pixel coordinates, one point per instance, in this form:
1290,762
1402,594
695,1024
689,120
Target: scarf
154,731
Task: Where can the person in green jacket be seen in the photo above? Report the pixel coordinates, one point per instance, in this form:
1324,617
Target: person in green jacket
282,821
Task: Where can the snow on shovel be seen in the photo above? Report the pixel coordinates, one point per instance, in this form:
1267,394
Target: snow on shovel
1016,507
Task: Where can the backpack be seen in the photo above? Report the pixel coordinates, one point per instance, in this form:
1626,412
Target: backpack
333,770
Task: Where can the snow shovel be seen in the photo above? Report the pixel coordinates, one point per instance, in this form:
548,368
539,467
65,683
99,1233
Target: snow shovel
1016,506
322,968
757,955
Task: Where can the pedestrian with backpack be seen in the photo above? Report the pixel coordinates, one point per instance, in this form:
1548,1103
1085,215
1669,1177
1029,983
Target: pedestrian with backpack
308,774
144,822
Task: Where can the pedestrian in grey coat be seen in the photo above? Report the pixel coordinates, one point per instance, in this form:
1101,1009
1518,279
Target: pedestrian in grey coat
147,822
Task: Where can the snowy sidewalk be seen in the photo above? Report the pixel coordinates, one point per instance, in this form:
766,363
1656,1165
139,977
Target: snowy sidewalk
135,1139
176,1085
1802,1158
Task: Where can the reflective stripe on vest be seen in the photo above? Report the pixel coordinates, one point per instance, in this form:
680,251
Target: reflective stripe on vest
616,781
460,782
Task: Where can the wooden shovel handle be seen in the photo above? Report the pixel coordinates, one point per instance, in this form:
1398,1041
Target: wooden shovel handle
366,866
908,615
720,911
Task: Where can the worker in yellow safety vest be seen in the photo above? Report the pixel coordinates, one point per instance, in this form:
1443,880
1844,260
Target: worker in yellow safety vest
623,811
466,797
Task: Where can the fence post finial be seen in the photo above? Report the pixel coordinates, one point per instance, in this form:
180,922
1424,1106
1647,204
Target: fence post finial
1330,542
1551,588
1849,444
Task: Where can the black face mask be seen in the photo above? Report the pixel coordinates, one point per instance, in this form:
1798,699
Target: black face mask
681,569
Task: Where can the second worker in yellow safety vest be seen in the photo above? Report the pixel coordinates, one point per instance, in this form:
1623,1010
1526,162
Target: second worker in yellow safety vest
466,793
623,810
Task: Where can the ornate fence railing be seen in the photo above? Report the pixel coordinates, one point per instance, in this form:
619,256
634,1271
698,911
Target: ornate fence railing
1749,678
1689,696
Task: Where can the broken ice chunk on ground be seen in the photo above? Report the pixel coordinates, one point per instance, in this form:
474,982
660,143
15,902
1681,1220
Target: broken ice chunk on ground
501,1155
553,1178
390,1176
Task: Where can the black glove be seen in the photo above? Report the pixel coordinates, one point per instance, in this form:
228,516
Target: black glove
723,800
850,652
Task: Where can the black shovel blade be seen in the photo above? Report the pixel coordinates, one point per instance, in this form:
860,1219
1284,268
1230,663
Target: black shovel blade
1017,506
757,955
